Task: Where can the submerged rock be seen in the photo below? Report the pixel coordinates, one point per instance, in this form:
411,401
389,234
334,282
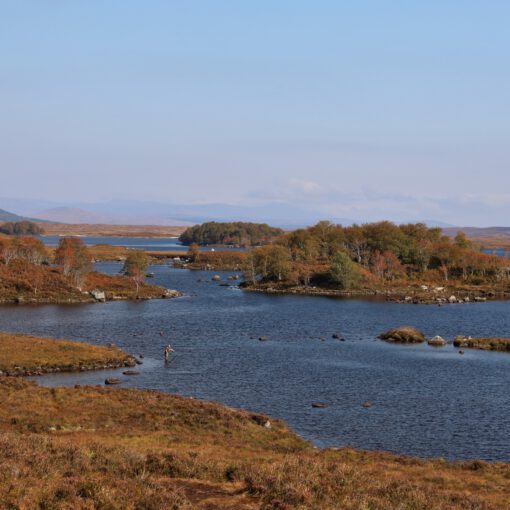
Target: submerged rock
319,405
263,338
131,372
404,334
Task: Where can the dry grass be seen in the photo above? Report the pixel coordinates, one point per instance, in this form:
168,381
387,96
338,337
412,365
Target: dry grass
96,447
24,353
221,260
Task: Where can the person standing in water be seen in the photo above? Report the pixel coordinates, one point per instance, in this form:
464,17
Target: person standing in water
168,350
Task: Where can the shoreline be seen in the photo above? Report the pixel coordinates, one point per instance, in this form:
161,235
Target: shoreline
454,296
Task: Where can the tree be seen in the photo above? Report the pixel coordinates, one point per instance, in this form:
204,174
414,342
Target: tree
194,252
357,244
7,251
343,271
271,263
30,249
462,241
135,266
74,257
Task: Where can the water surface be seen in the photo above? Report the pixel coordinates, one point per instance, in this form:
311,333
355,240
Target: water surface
426,402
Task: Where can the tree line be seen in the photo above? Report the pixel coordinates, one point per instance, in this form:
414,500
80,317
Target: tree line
330,254
21,228
234,233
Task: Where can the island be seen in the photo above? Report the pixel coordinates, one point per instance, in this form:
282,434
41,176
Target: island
30,273
408,263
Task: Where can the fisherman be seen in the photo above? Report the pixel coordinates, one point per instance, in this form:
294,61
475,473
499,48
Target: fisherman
168,350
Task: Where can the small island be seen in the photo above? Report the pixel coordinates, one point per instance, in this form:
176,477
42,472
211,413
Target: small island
30,355
30,273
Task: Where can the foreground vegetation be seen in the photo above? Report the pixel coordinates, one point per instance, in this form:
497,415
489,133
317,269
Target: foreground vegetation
95,447
28,355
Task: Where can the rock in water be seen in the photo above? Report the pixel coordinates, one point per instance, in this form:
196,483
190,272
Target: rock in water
216,278
404,334
263,338
131,372
319,405
437,341
112,380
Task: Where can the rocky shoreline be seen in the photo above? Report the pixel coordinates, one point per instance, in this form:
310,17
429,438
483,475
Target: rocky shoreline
72,368
86,297
432,296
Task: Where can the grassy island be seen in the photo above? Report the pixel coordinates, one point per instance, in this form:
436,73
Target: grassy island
98,447
29,355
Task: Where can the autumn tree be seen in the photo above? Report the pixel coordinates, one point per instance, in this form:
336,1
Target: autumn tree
135,266
30,249
462,241
343,271
270,263
74,257
194,252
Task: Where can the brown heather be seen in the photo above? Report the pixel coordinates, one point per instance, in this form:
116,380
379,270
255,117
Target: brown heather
23,281
103,448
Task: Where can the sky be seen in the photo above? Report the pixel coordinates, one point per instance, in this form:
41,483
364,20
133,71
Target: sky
373,109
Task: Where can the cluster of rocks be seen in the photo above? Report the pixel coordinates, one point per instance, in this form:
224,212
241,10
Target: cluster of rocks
441,300
410,335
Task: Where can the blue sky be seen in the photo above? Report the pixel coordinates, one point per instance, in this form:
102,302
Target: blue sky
366,109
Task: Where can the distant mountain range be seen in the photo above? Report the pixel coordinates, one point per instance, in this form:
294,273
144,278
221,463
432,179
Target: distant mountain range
478,232
129,212
9,216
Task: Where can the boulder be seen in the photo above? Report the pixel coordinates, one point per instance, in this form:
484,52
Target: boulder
452,299
404,334
112,380
460,341
437,341
263,338
98,295
216,278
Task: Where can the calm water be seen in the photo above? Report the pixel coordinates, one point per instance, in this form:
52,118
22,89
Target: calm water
141,243
426,401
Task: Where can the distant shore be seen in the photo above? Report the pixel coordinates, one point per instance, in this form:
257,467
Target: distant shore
105,230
